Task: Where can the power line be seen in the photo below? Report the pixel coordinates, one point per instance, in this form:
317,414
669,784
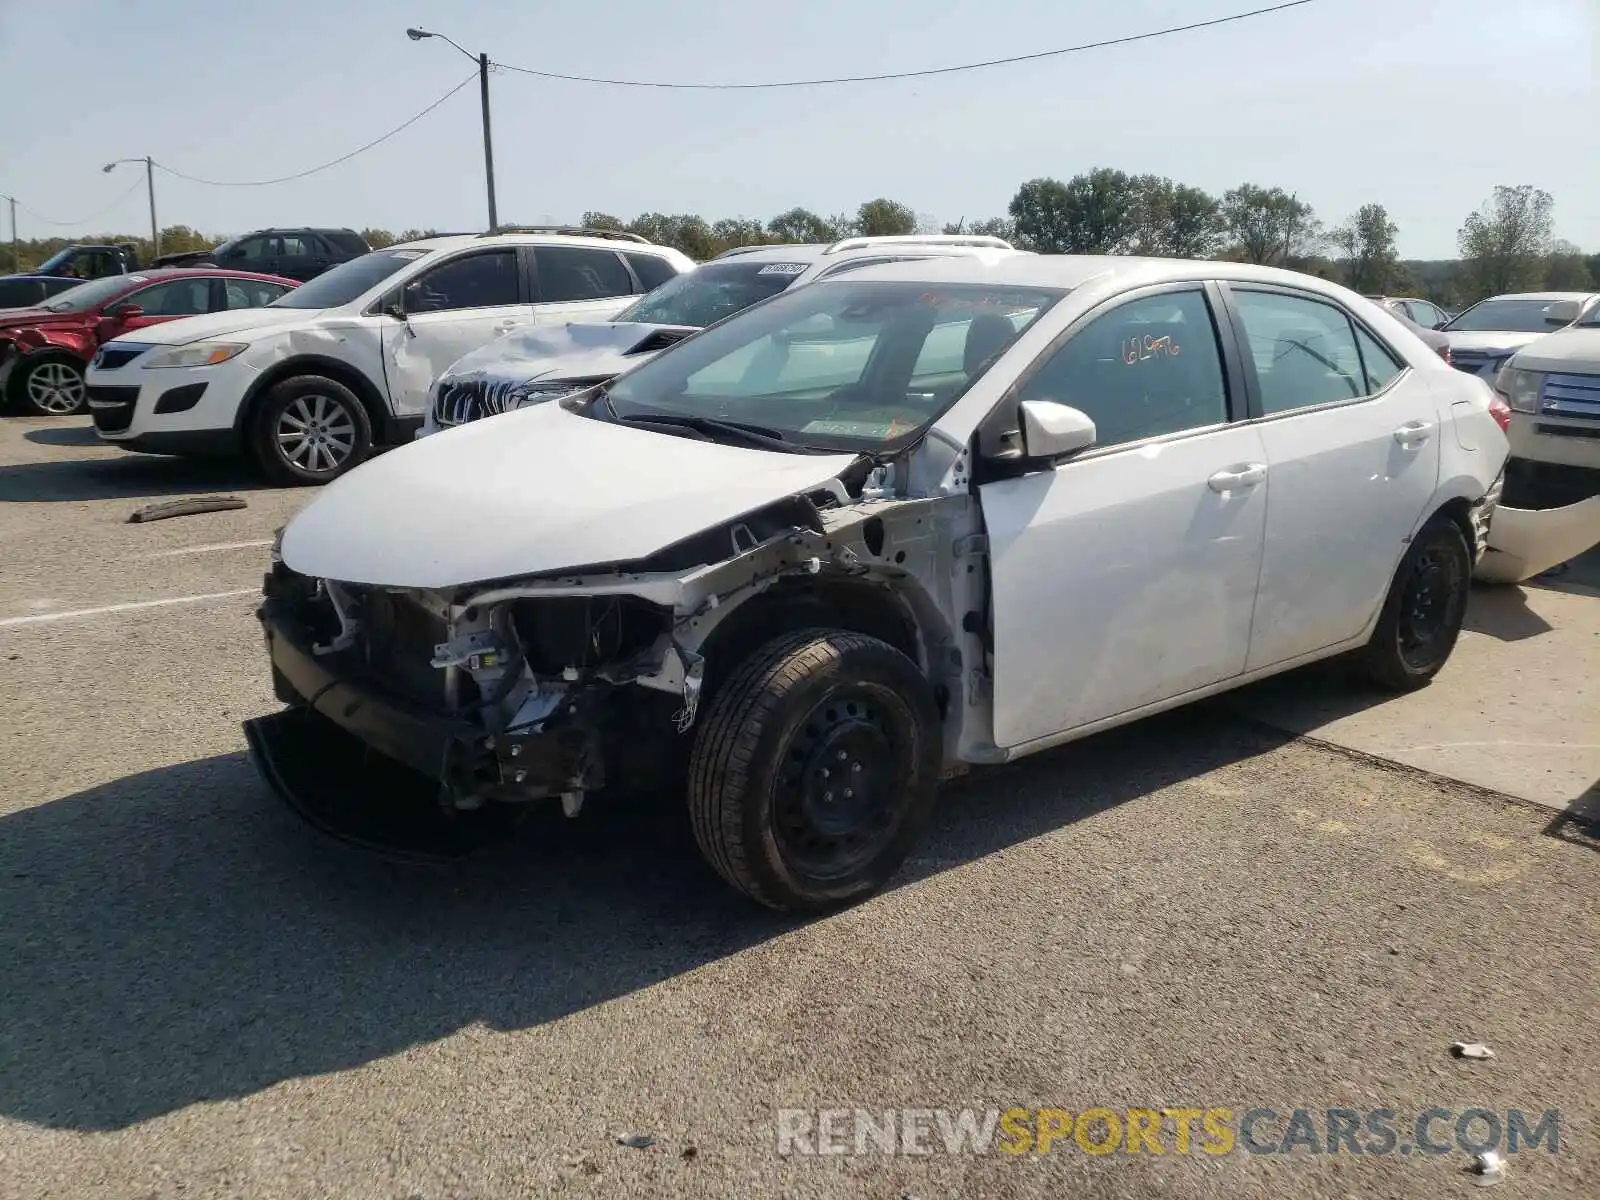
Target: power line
975,66
37,216
323,167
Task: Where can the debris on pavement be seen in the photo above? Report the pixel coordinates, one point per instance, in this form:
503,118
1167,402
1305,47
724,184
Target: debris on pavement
185,508
636,1141
689,1153
1489,1169
1470,1050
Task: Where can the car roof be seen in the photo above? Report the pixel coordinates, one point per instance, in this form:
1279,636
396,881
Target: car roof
1547,297
202,273
455,241
854,247
1069,271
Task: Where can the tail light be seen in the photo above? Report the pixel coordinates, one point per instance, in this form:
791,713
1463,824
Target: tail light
1501,412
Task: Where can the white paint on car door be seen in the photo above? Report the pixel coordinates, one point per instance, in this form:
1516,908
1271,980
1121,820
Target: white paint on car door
1126,576
1352,441
451,309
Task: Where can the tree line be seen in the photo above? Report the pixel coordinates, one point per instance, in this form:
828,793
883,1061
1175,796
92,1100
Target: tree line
1506,244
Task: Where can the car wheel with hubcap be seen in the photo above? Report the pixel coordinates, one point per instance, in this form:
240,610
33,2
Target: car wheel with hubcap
309,430
816,769
49,386
1424,611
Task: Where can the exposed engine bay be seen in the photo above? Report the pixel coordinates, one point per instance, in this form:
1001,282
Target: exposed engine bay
556,687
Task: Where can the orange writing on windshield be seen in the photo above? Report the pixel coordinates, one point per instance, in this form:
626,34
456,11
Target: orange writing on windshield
1137,349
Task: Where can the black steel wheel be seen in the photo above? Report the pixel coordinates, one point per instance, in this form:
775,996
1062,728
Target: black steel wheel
815,769
1424,611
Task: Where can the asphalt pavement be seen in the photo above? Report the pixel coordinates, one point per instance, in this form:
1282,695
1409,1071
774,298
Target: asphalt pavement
200,998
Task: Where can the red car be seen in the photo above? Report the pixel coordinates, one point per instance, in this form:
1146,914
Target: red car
44,350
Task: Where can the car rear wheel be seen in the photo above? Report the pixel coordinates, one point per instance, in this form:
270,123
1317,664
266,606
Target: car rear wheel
309,430
1425,608
815,770
50,386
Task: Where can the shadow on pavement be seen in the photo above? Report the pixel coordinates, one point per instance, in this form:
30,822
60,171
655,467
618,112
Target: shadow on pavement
1502,612
174,937
133,477
64,435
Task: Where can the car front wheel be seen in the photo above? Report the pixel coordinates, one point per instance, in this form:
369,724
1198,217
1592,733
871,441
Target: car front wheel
308,430
49,387
815,770
1424,611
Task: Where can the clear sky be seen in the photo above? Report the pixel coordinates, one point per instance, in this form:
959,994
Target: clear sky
1422,105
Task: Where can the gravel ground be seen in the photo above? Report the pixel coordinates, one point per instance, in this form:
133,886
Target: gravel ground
199,998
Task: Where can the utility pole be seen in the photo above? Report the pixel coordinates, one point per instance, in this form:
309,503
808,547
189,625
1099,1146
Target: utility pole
155,231
150,184
16,256
488,142
417,35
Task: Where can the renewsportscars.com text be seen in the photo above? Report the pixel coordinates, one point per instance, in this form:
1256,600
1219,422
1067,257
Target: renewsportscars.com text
1158,1131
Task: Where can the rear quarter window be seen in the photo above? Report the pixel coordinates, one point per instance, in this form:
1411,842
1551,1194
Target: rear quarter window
652,270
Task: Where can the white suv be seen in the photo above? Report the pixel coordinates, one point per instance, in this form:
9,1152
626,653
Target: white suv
530,366
307,386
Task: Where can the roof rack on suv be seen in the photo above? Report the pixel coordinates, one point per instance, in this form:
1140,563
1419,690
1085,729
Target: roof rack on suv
920,239
731,251
618,235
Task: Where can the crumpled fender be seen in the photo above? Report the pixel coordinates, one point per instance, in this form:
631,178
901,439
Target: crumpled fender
32,339
1523,542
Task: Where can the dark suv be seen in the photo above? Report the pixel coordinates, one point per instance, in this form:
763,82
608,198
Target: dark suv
295,253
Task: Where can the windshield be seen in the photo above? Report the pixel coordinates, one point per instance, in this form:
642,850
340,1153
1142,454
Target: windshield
56,259
1505,316
91,295
348,280
707,294
851,365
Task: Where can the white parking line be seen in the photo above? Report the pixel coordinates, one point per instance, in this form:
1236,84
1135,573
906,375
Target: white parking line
130,606
208,549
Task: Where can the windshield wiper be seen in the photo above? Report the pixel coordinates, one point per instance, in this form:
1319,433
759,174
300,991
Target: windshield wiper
754,435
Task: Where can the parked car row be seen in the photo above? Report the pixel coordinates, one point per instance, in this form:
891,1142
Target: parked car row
45,350
853,535
300,253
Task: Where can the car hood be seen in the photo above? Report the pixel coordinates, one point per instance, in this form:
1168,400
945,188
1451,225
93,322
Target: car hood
245,321
537,490
16,318
1494,341
1570,350
573,351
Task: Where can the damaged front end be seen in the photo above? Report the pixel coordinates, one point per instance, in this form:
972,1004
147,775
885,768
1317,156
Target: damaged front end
425,722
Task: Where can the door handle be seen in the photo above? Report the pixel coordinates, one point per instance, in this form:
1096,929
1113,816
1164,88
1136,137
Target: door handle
1238,478
1413,433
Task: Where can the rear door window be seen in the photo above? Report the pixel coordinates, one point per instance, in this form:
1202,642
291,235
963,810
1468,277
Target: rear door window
568,273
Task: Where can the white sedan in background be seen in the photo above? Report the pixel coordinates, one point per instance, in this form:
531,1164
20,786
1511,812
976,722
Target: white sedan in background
932,513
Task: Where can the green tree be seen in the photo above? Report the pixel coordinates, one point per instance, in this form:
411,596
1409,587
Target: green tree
378,239
600,220
1000,227
800,225
1506,243
687,232
1366,245
885,218
737,231
1173,220
1566,268
1040,214
1268,225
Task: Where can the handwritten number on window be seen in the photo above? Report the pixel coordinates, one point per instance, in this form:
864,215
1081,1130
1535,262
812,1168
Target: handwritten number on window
1138,349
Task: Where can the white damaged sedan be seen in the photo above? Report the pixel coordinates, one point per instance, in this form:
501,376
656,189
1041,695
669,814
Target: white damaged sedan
805,563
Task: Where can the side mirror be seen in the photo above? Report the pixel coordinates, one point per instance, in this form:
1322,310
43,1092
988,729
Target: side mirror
113,319
1051,430
1562,312
393,305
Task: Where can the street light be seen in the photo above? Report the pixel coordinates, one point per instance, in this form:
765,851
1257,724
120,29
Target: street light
416,35
150,180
